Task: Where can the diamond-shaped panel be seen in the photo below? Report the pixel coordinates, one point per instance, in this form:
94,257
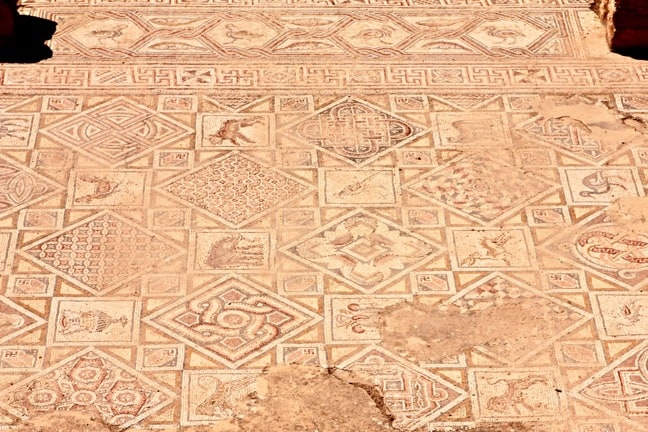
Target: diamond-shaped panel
102,252
414,396
480,188
88,381
363,250
235,189
232,320
355,131
572,137
558,318
117,131
21,187
506,33
374,34
102,34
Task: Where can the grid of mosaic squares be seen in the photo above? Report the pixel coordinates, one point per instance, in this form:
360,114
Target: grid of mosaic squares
190,194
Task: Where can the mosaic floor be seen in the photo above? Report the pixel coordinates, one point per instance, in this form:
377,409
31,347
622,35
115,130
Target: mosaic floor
194,192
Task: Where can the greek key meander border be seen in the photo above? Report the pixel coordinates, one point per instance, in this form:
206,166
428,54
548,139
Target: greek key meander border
511,4
363,77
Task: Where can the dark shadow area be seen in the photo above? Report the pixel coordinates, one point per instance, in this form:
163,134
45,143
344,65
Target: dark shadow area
639,53
29,44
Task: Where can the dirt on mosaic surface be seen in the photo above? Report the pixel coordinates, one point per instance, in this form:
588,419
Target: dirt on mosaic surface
432,333
63,421
289,398
601,123
631,212
504,427
303,398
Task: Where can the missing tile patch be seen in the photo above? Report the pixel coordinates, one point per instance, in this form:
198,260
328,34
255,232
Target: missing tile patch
312,399
73,421
429,334
631,212
611,128
503,427
302,398
289,398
